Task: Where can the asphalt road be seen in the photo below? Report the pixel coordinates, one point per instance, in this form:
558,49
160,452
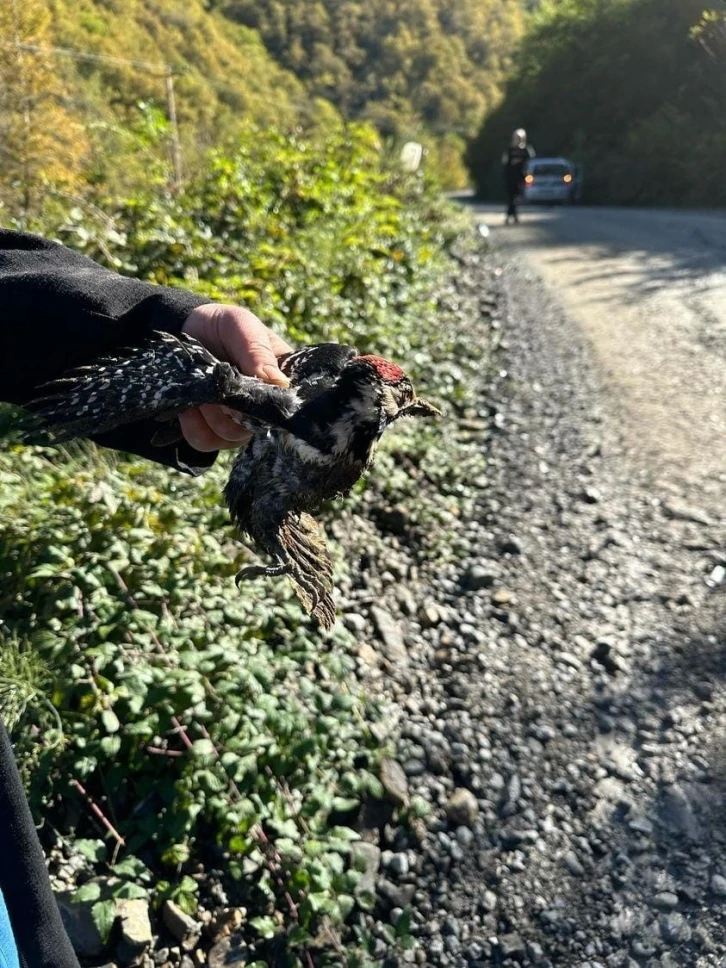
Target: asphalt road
648,291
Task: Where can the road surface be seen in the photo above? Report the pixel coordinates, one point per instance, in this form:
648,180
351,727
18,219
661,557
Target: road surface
648,291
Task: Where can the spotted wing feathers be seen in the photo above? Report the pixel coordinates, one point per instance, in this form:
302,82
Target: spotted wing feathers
159,380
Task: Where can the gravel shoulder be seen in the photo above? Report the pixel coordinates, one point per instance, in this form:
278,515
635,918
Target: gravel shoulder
561,703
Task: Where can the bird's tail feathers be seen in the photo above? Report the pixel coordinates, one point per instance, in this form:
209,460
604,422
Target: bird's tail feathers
301,553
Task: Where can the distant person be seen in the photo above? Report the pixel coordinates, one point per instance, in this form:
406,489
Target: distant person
515,161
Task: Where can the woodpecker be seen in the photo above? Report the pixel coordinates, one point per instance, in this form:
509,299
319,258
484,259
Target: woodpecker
310,442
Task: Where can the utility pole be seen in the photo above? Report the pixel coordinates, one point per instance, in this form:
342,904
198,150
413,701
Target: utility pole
175,144
158,70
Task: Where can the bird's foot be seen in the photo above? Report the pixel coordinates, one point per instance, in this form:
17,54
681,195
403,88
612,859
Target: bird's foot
258,571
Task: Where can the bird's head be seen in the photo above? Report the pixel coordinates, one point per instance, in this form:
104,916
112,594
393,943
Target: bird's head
386,388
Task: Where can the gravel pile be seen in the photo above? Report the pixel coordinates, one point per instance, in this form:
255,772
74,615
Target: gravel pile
555,678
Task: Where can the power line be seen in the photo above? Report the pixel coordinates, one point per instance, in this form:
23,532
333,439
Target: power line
160,69
156,69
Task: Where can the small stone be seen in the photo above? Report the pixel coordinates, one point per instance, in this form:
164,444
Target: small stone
414,767
399,864
180,925
681,512
502,596
677,813
136,933
590,495
366,859
510,545
674,928
703,689
464,836
462,808
368,655
717,576
429,615
394,520
535,952
568,659
228,952
394,782
604,655
481,574
512,945
390,635
436,948
718,885
665,900
488,902
641,825
573,864
396,895
354,623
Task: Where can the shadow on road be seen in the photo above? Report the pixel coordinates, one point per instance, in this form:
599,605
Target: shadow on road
640,248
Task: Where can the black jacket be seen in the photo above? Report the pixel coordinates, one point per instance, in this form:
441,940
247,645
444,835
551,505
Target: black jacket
59,309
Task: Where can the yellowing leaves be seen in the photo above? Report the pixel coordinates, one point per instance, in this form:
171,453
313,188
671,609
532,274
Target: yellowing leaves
42,143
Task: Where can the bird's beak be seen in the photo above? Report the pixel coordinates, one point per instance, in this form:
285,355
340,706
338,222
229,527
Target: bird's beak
420,408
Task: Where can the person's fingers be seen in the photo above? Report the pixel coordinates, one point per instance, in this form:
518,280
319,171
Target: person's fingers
248,342
223,425
279,346
198,434
235,334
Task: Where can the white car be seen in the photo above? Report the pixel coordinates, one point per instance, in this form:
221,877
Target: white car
554,180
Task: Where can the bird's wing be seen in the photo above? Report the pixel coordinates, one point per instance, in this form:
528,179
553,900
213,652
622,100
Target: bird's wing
168,375
316,368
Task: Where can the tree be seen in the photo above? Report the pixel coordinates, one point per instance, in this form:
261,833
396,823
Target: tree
42,145
631,89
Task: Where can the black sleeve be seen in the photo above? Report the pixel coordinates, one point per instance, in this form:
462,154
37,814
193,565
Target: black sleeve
59,309
39,933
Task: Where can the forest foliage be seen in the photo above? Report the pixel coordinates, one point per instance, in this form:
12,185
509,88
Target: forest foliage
631,89
395,63
428,71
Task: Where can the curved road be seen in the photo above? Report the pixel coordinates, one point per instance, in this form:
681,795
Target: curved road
648,290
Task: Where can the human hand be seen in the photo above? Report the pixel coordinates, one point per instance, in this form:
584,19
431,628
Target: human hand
237,336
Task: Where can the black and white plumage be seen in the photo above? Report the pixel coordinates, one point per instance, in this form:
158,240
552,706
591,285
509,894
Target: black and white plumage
310,442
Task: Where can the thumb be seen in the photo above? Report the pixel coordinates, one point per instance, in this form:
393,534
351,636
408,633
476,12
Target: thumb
263,364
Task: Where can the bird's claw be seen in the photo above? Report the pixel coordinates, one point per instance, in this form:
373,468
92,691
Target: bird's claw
258,571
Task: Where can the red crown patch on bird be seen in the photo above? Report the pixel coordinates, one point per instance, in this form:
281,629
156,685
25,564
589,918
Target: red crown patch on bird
387,371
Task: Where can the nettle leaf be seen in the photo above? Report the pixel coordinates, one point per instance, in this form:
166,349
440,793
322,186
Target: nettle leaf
203,748
265,926
93,850
345,804
104,917
111,745
131,890
133,868
176,855
87,892
110,721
